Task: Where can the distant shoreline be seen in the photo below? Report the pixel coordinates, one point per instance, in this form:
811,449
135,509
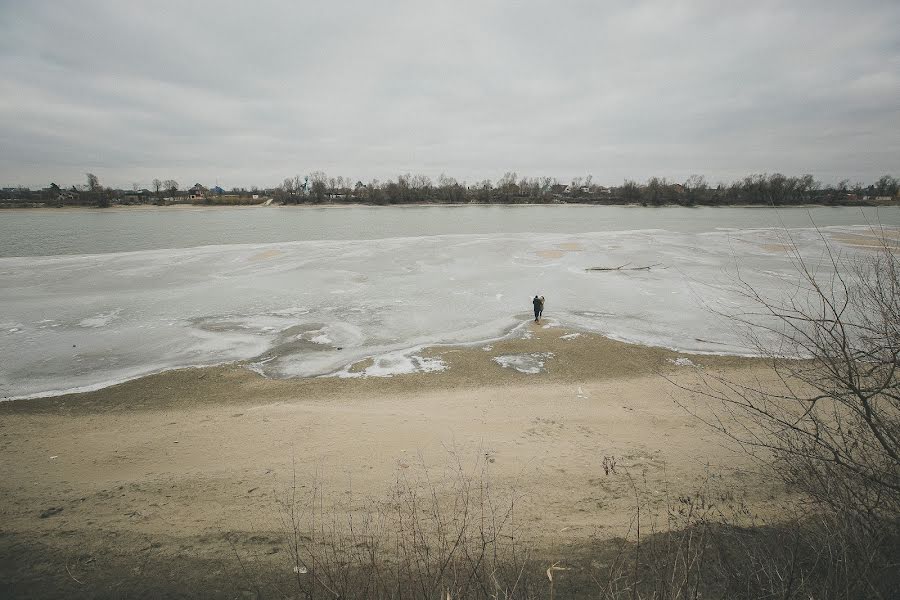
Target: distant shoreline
154,207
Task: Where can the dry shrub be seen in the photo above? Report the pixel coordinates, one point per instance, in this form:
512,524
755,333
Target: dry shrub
452,536
827,425
710,545
831,427
457,538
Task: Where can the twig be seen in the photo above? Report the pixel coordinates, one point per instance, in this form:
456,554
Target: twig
624,267
72,576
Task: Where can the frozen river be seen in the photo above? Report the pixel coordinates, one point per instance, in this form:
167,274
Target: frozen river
88,298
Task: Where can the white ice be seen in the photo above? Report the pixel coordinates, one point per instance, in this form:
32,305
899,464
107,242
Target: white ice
396,363
530,364
84,321
682,361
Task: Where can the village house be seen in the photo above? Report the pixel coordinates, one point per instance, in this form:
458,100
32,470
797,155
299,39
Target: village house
198,192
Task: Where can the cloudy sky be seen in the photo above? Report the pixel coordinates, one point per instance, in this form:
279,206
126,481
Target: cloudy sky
250,94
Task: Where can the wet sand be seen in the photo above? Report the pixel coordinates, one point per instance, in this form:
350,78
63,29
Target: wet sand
181,464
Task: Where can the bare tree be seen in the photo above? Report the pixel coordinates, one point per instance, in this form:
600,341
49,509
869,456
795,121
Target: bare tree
420,182
100,196
887,186
830,425
631,191
506,185
319,187
695,188
171,187
656,191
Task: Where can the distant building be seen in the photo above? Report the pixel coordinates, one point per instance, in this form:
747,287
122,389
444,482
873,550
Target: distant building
68,196
137,196
198,192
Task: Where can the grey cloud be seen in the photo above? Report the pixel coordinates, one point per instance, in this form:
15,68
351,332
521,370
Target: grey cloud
251,94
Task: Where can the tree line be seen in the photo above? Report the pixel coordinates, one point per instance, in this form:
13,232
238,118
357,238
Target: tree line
768,189
92,193
318,188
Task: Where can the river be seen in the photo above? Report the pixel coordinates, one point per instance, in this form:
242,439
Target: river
92,297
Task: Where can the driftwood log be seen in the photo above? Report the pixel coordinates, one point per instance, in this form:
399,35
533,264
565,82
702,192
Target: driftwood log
624,267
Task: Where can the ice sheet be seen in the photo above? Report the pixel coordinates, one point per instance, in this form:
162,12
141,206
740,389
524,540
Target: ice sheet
312,308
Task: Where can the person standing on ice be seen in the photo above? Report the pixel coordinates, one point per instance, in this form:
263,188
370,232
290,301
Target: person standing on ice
538,303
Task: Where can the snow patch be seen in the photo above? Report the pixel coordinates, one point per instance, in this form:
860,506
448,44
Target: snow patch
395,363
101,320
682,362
530,364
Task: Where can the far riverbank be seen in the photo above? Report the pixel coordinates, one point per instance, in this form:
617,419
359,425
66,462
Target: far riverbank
263,204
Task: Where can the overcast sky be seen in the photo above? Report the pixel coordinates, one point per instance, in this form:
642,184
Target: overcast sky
250,94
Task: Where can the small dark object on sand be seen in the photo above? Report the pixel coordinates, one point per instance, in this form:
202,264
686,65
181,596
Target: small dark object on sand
53,510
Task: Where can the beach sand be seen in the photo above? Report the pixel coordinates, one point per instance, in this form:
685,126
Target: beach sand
161,479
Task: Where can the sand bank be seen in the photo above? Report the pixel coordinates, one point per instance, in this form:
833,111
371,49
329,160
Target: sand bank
180,463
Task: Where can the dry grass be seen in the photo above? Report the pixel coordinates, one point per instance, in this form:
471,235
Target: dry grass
447,535
454,536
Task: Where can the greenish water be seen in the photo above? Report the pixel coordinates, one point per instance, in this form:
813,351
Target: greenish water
92,231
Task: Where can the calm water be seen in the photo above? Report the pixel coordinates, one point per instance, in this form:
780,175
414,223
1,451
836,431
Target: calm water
52,232
89,298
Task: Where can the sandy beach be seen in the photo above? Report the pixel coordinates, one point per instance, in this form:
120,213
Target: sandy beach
176,469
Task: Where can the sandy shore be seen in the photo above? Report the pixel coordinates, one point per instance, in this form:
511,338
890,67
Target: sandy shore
178,465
